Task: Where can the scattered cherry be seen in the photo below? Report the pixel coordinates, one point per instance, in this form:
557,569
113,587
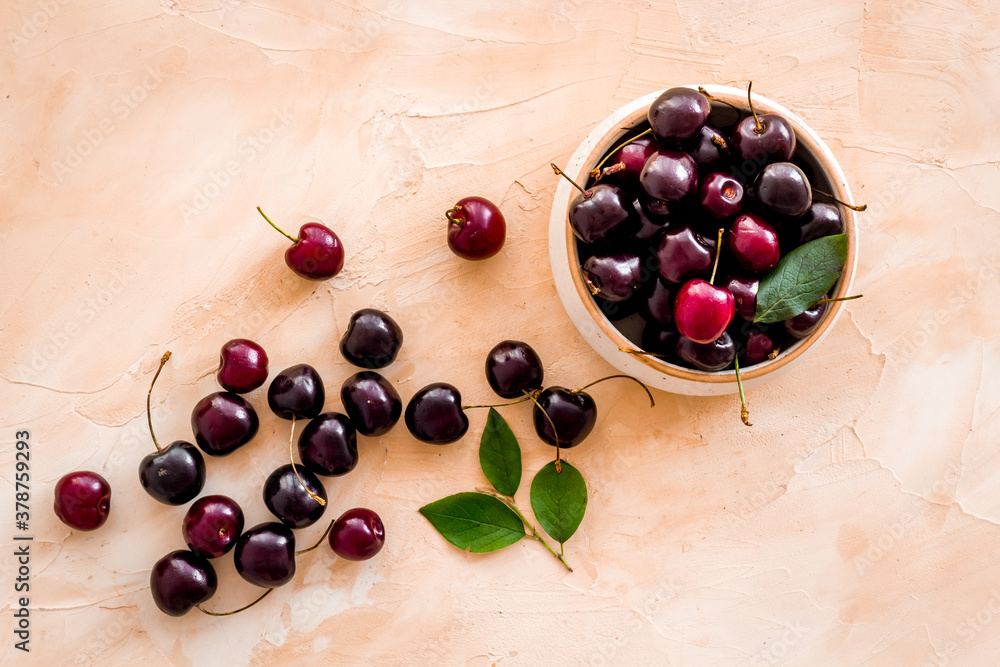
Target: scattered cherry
82,500
223,422
181,580
372,339
297,391
435,415
357,535
265,555
242,366
328,445
317,254
573,413
212,525
476,228
291,494
371,402
512,368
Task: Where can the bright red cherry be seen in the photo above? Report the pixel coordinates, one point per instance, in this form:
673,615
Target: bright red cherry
702,311
242,366
83,500
754,243
476,228
720,195
317,254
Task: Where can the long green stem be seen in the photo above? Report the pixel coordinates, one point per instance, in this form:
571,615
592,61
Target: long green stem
616,149
285,234
498,405
744,412
555,433
234,611
318,542
509,502
291,457
652,403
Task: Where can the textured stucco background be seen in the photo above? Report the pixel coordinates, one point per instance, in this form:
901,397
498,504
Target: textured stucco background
857,522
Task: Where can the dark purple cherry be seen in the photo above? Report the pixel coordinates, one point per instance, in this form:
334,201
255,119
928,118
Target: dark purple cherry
683,253
174,474
659,305
659,208
652,224
745,294
755,145
242,366
803,324
819,221
659,340
633,156
357,535
709,150
371,402
265,555
289,495
783,189
759,347
613,277
298,392
317,254
713,356
677,114
180,580
372,339
720,195
212,525
605,214
328,445
476,228
754,243
669,175
223,422
435,415
702,311
82,500
573,413
513,367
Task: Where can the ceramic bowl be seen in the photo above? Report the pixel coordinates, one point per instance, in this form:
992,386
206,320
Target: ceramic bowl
606,339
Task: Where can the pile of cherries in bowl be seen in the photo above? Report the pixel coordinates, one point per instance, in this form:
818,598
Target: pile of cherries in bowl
681,219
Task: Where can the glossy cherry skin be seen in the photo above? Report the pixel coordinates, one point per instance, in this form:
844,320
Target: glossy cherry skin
212,525
265,555
752,149
318,254
371,402
669,175
175,475
476,228
357,535
760,345
633,156
372,339
286,498
434,414
328,445
615,277
706,149
713,356
782,188
819,221
574,416
683,254
82,500
720,195
242,366
513,367
223,422
745,294
754,243
651,224
297,391
605,214
659,305
677,114
702,311
803,324
180,580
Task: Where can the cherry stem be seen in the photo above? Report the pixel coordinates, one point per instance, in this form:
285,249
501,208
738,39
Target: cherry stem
534,399
318,542
149,395
450,214
718,251
500,405
720,142
839,298
758,128
859,209
509,502
285,234
619,147
701,89
744,413
598,174
625,377
291,457
234,611
594,289
560,172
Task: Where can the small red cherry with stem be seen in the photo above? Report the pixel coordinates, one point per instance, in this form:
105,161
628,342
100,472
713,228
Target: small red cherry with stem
476,228
702,311
317,254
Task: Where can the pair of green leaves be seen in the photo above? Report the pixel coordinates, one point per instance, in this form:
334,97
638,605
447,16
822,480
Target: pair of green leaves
482,522
801,278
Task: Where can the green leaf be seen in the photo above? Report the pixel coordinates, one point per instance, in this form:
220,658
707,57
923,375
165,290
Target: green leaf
559,500
474,521
801,278
500,455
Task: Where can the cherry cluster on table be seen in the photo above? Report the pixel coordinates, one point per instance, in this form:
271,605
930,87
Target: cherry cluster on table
699,187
